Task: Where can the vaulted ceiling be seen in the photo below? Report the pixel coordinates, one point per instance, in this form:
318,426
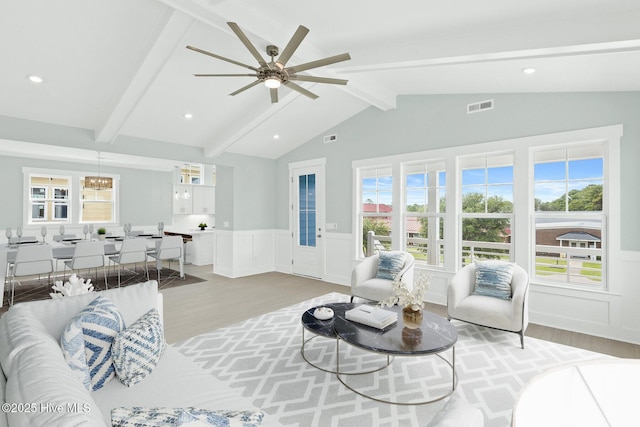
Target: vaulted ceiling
120,67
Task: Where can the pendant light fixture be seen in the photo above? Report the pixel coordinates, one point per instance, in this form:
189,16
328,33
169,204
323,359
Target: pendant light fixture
98,182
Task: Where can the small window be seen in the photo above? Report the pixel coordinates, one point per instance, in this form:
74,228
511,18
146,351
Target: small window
376,208
49,199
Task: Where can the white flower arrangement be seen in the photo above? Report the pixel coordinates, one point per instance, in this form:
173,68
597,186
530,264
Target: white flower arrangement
75,286
408,298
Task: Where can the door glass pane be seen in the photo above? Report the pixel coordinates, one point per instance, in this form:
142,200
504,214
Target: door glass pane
307,210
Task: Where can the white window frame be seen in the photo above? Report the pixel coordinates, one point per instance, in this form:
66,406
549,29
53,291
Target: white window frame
113,202
472,215
573,251
433,215
73,200
48,200
523,238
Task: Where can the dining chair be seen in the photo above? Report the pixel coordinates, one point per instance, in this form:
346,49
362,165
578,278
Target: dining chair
87,255
31,260
132,251
170,248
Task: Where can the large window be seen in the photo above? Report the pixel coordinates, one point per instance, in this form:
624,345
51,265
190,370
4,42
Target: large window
49,199
568,214
546,202
425,206
376,208
487,207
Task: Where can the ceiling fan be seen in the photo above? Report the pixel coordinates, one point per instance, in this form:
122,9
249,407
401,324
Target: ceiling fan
274,73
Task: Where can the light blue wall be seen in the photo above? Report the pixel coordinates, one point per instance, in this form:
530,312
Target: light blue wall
438,121
145,196
254,192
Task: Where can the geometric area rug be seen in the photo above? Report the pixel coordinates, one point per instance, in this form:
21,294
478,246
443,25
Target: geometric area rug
261,358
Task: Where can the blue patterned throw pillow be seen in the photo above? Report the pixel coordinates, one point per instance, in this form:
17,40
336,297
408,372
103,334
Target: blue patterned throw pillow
493,279
86,342
137,349
390,263
161,417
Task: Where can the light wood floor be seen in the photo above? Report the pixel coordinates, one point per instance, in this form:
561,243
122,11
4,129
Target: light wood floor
219,301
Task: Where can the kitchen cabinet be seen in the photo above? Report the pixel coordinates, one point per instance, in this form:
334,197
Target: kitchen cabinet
182,199
204,200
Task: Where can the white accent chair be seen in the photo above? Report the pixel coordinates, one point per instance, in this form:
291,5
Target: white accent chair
365,284
133,251
170,248
506,315
88,255
31,260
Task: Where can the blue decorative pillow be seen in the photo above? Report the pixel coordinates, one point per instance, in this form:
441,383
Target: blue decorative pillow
86,342
137,349
161,417
493,279
390,263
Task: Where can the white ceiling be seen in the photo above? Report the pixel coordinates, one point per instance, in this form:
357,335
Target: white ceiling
120,67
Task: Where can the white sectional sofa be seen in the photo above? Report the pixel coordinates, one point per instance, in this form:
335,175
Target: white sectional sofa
38,388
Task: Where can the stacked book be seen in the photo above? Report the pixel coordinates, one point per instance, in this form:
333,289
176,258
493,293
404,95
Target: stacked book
371,316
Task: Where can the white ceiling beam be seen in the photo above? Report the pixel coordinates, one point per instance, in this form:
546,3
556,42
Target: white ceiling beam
171,33
552,52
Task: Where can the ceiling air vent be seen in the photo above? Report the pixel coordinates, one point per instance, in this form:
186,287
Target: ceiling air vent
476,107
330,138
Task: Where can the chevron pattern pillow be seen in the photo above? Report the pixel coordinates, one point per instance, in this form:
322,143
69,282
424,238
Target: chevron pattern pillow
86,342
137,349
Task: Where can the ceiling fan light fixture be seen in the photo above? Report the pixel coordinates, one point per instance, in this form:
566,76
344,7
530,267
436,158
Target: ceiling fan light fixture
272,82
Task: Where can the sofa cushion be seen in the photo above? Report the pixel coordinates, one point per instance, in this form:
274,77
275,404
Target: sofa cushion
133,301
493,279
390,263
87,339
183,384
19,330
137,349
41,377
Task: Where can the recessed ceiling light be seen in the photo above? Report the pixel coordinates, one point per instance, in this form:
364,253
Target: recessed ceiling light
528,70
35,79
276,136
188,116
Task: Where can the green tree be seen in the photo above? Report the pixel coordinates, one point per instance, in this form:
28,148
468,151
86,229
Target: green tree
588,199
485,229
378,227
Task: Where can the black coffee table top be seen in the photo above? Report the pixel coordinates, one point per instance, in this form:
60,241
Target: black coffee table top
436,333
325,327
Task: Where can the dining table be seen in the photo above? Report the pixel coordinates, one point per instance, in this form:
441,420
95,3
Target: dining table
63,251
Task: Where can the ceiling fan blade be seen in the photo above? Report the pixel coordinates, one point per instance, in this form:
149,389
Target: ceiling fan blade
318,63
204,52
245,41
274,95
319,80
242,89
226,75
299,89
293,44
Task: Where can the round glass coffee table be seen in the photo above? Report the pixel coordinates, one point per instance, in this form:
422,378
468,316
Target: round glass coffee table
433,336
324,328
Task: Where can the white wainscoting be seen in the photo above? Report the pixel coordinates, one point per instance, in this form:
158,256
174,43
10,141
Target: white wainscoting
611,314
243,253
